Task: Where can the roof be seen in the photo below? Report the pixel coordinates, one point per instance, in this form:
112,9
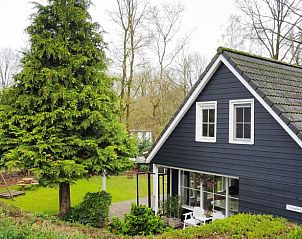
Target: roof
276,85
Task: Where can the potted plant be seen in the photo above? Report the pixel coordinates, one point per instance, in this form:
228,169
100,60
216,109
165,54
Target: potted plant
171,208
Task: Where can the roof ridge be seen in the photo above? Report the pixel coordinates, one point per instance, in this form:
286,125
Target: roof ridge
221,49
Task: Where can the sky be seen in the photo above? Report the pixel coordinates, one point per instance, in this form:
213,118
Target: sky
205,20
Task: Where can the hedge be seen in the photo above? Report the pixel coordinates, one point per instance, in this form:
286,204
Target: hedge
240,226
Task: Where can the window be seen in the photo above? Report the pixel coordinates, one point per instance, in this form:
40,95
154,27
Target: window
241,125
209,191
206,120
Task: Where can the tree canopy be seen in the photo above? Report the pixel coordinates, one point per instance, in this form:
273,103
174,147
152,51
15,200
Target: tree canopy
61,118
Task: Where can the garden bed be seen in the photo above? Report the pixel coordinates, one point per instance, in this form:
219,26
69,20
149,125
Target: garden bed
16,224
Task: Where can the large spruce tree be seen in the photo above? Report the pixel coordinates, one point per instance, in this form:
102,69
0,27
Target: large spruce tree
61,118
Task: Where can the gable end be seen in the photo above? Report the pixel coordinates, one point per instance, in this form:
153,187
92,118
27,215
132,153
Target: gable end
247,82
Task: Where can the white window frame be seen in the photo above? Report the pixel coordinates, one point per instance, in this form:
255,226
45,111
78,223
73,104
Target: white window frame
199,121
232,105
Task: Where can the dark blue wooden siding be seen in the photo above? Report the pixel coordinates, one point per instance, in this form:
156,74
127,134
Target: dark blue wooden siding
270,171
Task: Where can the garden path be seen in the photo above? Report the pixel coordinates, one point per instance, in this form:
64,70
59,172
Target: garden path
119,209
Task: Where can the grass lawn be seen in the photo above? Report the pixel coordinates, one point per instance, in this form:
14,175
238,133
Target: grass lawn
45,200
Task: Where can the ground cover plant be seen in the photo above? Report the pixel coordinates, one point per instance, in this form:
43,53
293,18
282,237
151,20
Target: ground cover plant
45,200
15,224
238,227
295,233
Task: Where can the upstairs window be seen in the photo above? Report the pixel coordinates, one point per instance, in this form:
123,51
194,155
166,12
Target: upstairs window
241,122
206,117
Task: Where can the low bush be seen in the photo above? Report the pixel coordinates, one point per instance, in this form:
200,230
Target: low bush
93,210
295,233
239,226
140,221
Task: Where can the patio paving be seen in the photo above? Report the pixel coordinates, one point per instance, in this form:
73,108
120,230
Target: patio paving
119,209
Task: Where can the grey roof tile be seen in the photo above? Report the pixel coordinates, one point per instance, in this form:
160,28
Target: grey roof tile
280,84
268,101
298,124
285,119
293,128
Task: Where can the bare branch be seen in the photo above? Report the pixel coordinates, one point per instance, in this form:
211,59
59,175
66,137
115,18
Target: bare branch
272,21
9,66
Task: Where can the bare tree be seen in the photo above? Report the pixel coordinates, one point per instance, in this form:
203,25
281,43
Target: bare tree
272,23
9,66
189,66
167,44
165,20
235,34
130,18
296,48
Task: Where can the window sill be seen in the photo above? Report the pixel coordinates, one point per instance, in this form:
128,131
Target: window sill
251,142
206,140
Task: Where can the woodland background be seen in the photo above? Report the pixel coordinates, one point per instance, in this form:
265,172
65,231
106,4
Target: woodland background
154,69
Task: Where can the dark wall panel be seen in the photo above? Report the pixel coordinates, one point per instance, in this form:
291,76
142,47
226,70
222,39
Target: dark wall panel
175,182
270,171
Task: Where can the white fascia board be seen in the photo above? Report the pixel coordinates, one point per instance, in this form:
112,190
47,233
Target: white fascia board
185,108
262,102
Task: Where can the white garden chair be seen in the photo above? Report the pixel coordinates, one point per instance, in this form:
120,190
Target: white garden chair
217,215
195,218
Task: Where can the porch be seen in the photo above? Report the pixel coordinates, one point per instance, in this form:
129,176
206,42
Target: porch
209,191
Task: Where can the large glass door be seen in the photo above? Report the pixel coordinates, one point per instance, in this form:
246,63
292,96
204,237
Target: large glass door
209,191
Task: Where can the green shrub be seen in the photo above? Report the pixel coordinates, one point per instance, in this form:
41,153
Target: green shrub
93,210
143,167
140,221
238,227
143,145
295,233
172,207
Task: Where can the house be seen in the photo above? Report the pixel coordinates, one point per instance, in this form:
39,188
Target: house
235,143
142,134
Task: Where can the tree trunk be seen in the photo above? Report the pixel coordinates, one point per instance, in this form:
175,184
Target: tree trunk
64,198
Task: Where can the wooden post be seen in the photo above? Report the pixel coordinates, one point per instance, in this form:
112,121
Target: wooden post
201,196
155,188
10,194
163,178
149,190
158,193
227,189
137,193
170,182
104,180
